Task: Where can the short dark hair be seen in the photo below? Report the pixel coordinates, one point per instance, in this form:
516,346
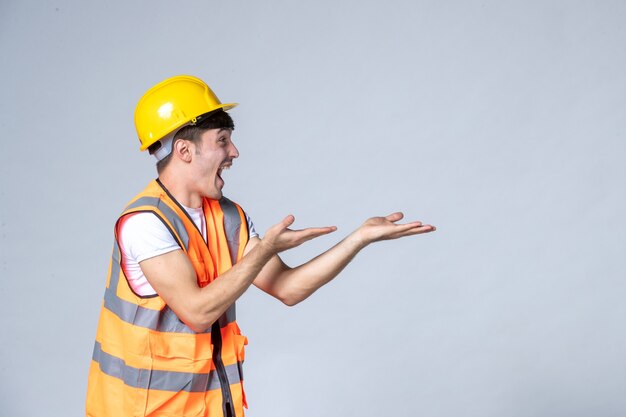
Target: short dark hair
217,119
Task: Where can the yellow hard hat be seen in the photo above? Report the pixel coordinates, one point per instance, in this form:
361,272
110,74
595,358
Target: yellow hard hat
171,104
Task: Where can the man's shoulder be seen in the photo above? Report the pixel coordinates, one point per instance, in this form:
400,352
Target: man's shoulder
151,197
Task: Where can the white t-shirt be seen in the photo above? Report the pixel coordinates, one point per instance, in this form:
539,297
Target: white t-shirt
143,236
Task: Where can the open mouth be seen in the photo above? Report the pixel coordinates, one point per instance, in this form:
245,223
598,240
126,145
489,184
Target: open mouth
222,168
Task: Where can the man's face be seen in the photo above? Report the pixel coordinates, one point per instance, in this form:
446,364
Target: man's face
214,153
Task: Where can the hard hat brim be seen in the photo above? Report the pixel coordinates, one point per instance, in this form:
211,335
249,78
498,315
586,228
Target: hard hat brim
224,107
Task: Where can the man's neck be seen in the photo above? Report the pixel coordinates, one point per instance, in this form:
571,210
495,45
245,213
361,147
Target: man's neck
178,189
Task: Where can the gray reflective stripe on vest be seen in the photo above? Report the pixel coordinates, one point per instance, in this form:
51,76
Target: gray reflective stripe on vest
229,316
162,380
232,227
170,215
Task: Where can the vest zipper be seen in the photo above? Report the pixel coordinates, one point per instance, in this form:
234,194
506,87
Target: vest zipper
227,399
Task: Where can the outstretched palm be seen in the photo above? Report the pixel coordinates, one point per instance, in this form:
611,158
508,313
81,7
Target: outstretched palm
281,238
386,228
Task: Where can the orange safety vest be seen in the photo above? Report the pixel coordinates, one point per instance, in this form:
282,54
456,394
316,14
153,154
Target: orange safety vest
146,361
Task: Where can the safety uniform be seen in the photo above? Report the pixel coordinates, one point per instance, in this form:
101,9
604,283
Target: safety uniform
146,361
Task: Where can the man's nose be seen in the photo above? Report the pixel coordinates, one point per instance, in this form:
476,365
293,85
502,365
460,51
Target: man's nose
234,152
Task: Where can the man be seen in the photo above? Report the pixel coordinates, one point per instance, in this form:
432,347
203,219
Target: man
168,343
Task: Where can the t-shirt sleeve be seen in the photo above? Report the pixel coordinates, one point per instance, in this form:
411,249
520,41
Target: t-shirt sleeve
144,236
251,231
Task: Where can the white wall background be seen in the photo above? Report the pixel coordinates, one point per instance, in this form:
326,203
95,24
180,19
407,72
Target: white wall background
501,122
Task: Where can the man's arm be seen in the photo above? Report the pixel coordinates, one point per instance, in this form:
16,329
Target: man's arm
174,279
292,285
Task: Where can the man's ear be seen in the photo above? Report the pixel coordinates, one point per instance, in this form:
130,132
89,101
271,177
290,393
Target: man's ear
182,150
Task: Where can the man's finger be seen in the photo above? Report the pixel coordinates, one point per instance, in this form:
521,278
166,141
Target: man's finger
413,231
397,228
288,221
394,217
318,231
412,224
